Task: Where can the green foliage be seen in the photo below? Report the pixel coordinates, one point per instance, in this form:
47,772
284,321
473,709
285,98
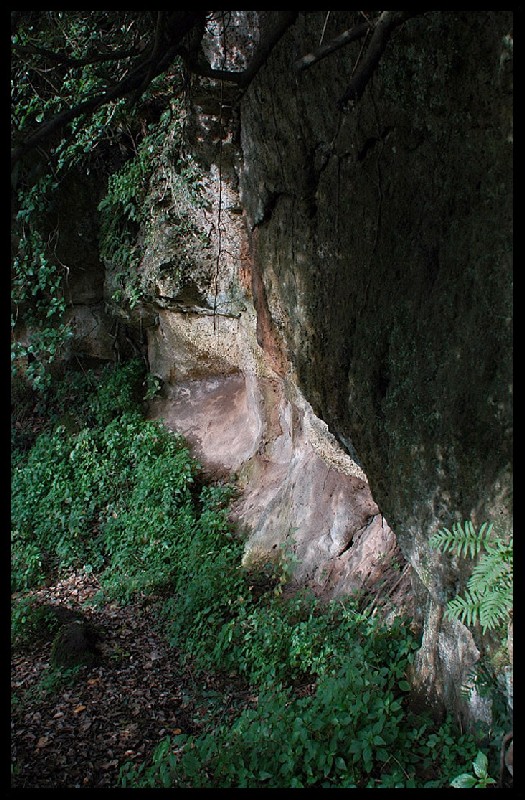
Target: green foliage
56,63
479,780
136,148
115,493
44,84
116,392
120,495
285,641
159,170
37,294
30,622
153,385
54,679
462,541
122,211
353,731
488,596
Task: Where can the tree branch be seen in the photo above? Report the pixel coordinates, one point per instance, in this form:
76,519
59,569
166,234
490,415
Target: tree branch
155,53
48,128
244,78
384,27
134,79
340,41
266,46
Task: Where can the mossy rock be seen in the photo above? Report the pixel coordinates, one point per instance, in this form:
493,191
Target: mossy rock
74,645
34,623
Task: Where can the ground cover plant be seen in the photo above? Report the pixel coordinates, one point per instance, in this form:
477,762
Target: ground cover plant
324,699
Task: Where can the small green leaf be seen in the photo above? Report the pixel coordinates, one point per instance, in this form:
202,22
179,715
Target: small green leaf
480,764
464,781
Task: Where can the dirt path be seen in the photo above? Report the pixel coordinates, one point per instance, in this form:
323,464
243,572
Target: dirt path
80,734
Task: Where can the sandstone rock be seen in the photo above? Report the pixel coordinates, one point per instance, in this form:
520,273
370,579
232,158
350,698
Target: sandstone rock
382,244
357,376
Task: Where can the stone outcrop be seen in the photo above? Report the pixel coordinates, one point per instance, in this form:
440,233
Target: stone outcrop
382,238
301,496
339,338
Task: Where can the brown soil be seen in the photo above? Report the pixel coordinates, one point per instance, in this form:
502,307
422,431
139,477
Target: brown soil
79,734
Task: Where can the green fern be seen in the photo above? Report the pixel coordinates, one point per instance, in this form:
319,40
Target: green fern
462,541
488,596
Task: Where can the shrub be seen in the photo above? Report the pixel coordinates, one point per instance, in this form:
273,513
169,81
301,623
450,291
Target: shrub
116,493
30,622
353,732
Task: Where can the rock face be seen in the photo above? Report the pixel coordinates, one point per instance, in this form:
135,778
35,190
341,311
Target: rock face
381,240
301,496
340,336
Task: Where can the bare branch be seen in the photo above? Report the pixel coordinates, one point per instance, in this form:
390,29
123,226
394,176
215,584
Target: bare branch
266,46
171,40
340,41
155,52
385,25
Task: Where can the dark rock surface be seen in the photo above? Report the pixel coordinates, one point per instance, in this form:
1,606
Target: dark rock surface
382,237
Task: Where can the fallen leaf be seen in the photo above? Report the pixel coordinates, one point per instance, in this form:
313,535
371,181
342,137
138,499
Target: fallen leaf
42,742
78,709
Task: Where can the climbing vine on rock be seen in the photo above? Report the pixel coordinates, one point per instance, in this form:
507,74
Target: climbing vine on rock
113,138
155,186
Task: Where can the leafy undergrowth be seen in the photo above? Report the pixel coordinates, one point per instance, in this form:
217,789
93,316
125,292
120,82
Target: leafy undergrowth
204,675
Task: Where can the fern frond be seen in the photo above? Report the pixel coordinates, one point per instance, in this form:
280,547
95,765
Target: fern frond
488,596
466,609
494,608
490,574
504,549
462,540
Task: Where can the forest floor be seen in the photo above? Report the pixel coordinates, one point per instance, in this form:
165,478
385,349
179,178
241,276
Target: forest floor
78,733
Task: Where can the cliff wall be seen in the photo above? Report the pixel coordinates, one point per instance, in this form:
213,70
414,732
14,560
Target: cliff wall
331,325
381,239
